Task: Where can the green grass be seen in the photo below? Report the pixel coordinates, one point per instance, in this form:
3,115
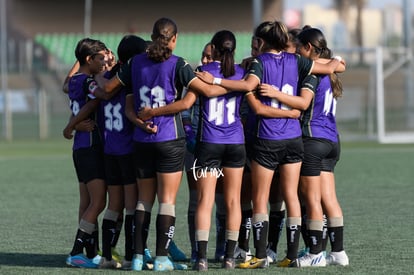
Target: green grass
39,200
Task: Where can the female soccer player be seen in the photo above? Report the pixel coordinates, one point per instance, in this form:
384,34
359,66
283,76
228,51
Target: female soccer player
322,149
119,166
211,154
154,79
191,121
278,142
220,149
87,153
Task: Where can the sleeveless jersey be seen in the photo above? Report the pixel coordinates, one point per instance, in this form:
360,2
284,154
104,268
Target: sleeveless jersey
81,90
153,85
319,119
220,116
282,71
118,129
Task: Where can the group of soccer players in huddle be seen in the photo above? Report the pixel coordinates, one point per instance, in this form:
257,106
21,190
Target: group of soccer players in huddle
251,136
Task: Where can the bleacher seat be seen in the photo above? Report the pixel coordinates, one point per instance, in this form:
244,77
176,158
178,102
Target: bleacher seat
189,45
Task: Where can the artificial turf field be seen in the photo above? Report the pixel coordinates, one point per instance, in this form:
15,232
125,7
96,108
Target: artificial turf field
39,200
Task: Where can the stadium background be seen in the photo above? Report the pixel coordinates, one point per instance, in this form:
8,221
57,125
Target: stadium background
42,34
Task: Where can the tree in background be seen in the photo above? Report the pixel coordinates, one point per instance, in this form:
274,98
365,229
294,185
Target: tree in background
343,7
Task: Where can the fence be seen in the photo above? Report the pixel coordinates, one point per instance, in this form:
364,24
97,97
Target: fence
376,104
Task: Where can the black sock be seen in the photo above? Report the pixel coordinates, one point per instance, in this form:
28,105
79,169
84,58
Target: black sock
118,229
146,226
336,236
245,229
165,233
230,247
95,236
324,233
129,237
220,232
202,249
108,234
191,231
142,220
79,243
304,230
91,246
276,224
315,241
260,230
292,237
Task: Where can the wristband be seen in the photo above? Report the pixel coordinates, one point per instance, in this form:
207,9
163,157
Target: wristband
217,81
337,57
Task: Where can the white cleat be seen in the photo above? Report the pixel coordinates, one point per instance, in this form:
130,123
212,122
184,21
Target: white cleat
271,256
310,259
242,254
337,258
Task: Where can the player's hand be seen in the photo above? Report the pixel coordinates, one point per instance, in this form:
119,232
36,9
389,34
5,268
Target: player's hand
86,125
245,64
68,132
268,90
295,113
147,126
150,127
145,113
205,76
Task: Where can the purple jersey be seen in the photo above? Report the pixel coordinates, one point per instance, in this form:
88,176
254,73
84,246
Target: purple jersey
220,116
282,71
154,84
118,129
81,90
319,119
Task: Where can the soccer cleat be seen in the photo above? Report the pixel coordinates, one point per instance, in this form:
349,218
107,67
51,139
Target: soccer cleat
254,263
115,255
193,256
137,262
271,255
240,253
311,260
219,256
229,263
303,252
163,263
176,253
286,263
126,265
337,258
112,264
147,256
96,260
80,260
201,265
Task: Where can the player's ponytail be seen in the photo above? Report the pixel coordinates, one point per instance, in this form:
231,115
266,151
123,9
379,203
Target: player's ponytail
163,31
224,44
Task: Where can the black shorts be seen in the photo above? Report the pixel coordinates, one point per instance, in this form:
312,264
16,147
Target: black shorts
89,163
159,157
249,154
213,155
320,155
119,169
189,160
271,153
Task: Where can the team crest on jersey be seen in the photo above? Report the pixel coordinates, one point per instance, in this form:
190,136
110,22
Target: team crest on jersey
93,86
